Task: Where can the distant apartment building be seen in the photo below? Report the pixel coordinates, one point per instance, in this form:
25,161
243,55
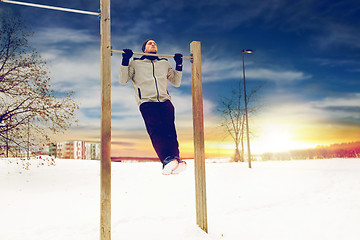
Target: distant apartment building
78,150
96,151
65,150
93,151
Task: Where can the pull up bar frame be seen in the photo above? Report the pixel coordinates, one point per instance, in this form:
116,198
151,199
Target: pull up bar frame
198,130
51,7
198,119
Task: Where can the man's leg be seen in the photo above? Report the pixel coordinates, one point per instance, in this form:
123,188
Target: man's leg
159,120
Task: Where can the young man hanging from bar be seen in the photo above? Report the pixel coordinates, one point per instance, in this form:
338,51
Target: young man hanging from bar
149,76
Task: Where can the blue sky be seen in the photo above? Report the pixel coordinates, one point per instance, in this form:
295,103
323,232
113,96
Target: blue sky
307,56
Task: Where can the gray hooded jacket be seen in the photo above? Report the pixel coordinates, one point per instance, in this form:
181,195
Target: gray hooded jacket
149,78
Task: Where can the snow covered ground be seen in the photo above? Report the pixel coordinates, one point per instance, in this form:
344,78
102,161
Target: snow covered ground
313,199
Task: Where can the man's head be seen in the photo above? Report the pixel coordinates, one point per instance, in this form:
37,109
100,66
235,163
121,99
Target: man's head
149,46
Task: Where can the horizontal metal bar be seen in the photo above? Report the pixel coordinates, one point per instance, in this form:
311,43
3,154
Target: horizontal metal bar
150,54
53,8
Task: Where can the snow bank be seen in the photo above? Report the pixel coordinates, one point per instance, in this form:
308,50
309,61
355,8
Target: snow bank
314,199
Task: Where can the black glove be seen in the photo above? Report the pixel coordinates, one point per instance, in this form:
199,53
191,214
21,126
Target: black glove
126,56
178,59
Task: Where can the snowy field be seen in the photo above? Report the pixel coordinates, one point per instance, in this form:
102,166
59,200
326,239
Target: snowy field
289,200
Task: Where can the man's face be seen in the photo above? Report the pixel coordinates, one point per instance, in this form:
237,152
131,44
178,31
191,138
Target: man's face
151,47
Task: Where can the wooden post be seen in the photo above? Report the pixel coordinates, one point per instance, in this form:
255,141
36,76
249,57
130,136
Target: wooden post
105,65
198,128
105,175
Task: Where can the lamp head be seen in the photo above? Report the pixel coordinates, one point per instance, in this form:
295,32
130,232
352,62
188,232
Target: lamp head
247,51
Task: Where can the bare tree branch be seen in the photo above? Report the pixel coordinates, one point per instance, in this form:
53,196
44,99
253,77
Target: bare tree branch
232,110
29,107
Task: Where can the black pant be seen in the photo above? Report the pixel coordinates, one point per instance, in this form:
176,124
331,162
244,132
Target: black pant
159,119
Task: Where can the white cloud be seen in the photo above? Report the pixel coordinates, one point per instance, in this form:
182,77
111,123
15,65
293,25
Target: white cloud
275,75
232,14
341,107
335,34
350,100
49,36
295,108
214,70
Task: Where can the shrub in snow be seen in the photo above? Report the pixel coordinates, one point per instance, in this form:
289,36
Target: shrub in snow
26,164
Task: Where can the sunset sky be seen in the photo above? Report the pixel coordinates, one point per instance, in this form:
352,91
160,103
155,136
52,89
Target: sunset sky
307,59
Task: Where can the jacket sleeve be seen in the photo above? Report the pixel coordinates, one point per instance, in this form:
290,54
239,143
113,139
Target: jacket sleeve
174,76
126,73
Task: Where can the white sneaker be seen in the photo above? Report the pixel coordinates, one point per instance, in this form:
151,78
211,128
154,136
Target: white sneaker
170,167
180,168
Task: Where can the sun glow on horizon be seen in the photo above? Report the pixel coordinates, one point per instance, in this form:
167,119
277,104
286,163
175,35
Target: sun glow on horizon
277,138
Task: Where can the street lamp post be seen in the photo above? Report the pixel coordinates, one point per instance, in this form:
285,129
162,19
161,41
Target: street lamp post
246,111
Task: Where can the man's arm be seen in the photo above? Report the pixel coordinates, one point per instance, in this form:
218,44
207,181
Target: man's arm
175,76
126,72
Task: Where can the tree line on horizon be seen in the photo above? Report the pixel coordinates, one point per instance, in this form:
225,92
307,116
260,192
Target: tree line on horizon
338,150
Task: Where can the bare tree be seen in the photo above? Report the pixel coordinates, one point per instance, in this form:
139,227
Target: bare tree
232,110
29,108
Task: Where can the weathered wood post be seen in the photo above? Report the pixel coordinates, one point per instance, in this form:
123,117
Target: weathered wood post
105,175
105,65
198,128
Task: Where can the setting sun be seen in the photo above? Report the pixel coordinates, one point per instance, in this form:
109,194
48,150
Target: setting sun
276,138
